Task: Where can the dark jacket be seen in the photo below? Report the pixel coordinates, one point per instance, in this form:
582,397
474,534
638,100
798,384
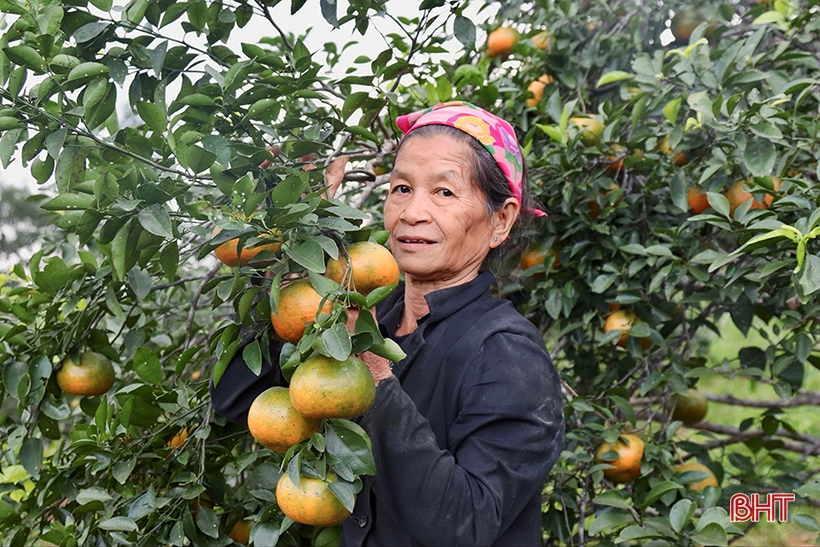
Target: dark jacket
463,435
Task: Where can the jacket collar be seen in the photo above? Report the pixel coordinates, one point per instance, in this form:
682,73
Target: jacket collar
442,303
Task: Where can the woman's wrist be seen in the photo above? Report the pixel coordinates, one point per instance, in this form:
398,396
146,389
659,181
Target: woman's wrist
379,367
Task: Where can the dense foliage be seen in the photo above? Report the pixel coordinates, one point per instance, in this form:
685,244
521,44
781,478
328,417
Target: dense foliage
147,125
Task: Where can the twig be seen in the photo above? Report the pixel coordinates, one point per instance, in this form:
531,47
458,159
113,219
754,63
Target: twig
189,326
804,399
175,283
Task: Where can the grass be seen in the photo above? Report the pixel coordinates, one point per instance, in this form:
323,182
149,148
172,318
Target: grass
804,419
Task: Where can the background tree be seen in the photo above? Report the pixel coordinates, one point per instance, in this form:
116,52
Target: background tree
648,116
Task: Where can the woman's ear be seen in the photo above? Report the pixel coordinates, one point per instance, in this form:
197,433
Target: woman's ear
503,220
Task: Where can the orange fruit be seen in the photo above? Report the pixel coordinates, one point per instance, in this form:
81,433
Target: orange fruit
311,502
298,305
371,266
690,408
274,422
679,158
93,375
698,201
615,163
737,195
537,89
533,256
684,22
591,129
698,485
623,320
229,254
241,531
627,463
178,439
595,208
322,387
543,40
501,41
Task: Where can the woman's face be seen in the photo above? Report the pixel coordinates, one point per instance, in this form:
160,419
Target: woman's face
437,216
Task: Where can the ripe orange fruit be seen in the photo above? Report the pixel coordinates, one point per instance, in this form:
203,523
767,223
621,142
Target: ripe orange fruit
178,439
591,129
623,320
615,162
684,22
501,41
698,201
690,408
679,158
533,256
298,304
371,264
537,89
229,254
93,375
595,208
627,464
274,422
543,40
311,502
737,195
698,485
241,531
322,387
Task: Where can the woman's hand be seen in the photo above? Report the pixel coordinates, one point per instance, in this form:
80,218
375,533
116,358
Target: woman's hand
379,366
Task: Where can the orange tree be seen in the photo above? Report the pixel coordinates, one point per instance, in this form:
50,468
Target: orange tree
147,127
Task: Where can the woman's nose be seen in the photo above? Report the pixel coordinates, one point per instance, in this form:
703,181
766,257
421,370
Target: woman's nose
416,210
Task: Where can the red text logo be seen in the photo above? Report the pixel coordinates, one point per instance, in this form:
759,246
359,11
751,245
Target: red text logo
743,508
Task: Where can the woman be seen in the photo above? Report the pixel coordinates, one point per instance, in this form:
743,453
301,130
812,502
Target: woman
467,426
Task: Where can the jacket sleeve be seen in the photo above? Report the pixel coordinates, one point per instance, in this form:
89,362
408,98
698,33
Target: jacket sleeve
239,386
509,431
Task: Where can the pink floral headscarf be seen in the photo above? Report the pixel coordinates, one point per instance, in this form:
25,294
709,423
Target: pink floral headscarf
497,136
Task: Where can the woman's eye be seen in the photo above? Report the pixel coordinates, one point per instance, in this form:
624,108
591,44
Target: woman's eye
446,193
401,189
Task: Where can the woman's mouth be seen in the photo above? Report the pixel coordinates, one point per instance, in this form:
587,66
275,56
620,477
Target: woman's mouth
413,241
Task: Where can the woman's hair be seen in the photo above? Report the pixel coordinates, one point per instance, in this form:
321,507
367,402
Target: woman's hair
488,177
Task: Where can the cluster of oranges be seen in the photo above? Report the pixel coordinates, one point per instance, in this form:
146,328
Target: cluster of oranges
624,456
321,387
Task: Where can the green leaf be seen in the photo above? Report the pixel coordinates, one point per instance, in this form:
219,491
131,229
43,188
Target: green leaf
681,514
613,76
119,524
93,494
808,280
613,498
363,132
87,71
389,349
26,56
170,259
671,110
156,220
154,117
68,202
609,521
31,456
718,202
252,355
307,254
265,533
328,8
659,490
713,534
337,342
806,522
140,282
344,493
198,158
147,366
378,295
122,470
464,30
351,448
207,521
760,157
